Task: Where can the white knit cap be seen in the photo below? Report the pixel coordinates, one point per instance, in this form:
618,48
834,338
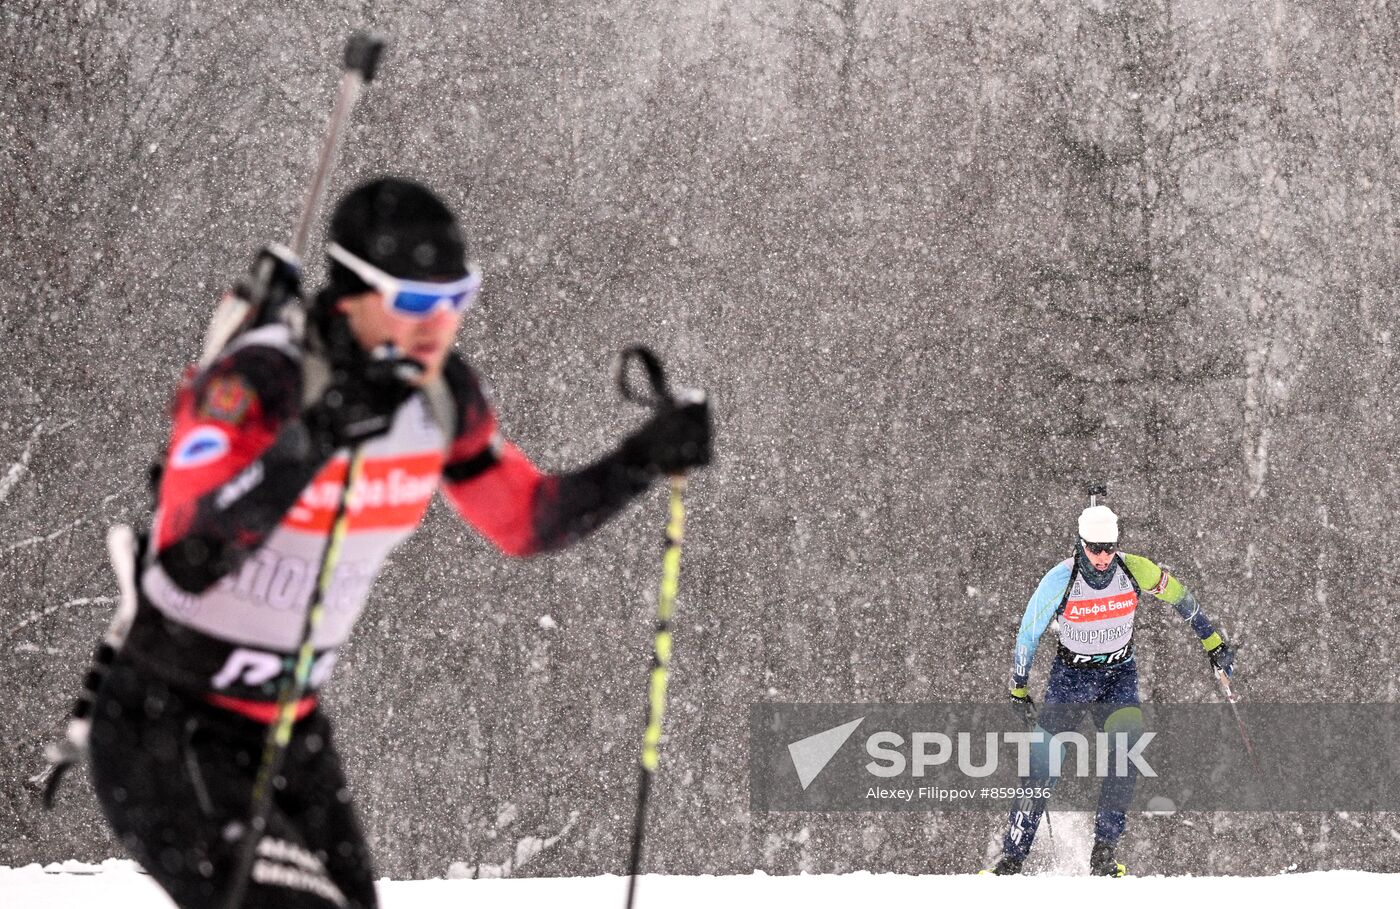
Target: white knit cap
1098,524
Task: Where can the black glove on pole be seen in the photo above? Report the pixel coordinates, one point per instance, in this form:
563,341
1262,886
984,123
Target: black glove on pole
1027,707
1222,658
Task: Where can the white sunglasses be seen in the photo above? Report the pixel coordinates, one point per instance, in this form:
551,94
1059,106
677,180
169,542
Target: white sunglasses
413,299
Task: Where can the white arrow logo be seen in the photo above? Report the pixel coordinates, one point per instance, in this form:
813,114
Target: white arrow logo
811,754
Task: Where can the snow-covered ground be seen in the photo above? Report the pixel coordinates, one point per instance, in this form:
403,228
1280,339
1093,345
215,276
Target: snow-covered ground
118,885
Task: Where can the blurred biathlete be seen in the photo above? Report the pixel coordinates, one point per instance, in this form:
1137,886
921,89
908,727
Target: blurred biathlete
1094,595
258,455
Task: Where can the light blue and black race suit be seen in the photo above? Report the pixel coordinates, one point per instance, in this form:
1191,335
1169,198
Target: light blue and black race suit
1094,673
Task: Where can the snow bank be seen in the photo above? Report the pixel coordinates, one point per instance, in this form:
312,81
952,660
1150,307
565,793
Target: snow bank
119,885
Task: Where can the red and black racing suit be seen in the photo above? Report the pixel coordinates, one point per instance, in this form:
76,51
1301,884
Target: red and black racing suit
244,510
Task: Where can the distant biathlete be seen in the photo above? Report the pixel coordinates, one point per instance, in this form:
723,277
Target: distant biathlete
1095,596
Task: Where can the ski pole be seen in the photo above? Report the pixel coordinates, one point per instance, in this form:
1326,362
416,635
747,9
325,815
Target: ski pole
293,687
1032,722
660,674
362,53
361,57
123,549
1223,680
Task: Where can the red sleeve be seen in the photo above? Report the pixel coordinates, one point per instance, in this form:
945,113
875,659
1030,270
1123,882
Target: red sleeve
490,483
498,502
223,420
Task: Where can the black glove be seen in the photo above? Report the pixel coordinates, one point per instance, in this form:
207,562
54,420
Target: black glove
1222,658
673,441
1021,697
363,396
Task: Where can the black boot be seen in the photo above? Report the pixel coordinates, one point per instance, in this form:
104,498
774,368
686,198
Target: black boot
1102,862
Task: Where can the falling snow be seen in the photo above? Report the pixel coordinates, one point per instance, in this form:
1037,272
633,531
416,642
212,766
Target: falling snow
938,264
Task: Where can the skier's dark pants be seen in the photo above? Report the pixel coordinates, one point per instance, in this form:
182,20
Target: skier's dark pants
173,773
1110,696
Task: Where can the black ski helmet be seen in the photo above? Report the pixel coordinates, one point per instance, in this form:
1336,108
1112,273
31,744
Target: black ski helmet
400,227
